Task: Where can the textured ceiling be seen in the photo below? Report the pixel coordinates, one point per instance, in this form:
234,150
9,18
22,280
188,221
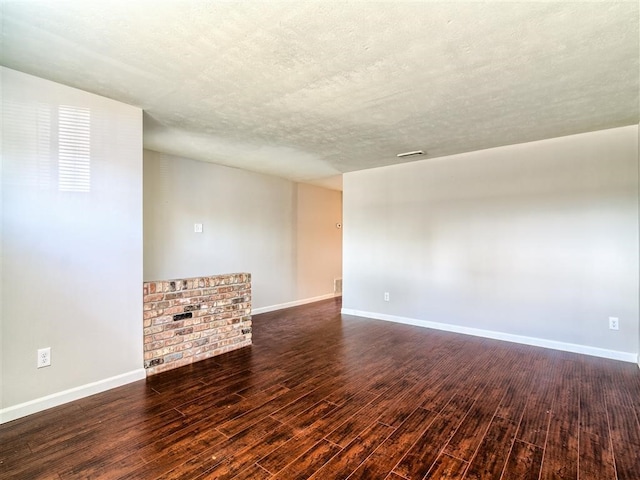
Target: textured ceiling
309,90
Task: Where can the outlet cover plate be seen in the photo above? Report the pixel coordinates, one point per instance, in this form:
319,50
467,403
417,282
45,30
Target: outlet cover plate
44,357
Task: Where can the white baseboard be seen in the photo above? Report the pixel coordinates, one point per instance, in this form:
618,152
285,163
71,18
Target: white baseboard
295,303
508,337
39,404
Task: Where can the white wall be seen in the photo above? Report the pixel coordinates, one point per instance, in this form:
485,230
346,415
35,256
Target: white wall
1,248
72,245
250,224
529,242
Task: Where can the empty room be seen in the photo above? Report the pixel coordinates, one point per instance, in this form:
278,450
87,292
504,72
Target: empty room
319,240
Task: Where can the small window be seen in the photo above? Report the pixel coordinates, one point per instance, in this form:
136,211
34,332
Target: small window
74,149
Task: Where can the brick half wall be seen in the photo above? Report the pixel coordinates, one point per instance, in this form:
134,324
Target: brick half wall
190,319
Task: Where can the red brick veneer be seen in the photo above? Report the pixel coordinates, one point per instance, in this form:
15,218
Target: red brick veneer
187,320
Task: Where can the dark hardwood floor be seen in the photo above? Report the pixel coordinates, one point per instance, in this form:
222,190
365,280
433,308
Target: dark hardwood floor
328,397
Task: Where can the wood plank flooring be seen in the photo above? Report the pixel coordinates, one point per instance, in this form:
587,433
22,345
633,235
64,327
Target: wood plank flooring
325,396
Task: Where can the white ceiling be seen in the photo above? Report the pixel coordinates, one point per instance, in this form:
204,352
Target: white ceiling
309,90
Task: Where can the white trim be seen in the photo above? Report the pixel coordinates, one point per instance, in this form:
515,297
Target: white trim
295,303
508,337
37,405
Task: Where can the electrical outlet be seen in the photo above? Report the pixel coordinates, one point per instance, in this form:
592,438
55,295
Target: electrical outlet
613,323
197,227
386,296
44,357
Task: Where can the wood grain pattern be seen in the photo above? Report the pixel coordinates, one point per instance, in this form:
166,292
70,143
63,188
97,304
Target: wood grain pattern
385,457
447,467
310,461
595,460
561,455
328,396
491,456
524,462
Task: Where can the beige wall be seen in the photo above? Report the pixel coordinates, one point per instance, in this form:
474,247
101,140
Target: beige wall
533,241
72,243
272,228
319,240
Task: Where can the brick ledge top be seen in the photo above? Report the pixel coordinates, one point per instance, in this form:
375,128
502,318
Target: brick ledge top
193,283
215,275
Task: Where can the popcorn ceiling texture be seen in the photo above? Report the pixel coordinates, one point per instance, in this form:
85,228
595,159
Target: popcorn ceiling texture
309,90
191,319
